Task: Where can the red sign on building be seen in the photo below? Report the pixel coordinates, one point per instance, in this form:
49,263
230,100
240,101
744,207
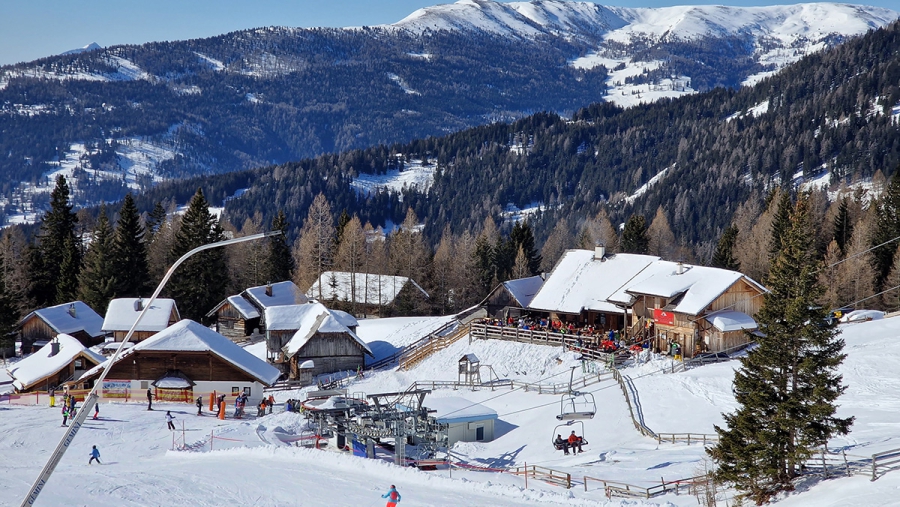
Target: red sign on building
663,317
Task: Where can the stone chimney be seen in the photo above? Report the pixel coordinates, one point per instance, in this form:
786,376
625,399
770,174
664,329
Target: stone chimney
72,310
269,289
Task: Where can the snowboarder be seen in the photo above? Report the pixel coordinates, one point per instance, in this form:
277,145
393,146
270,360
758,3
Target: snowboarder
169,419
65,413
199,405
393,497
95,455
149,399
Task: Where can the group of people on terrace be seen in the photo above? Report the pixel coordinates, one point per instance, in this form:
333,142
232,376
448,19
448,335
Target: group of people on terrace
586,336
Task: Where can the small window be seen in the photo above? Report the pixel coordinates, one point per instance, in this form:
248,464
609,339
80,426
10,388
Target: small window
235,391
79,364
247,391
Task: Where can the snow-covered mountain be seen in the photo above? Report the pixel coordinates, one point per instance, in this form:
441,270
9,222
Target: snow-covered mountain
633,42
90,47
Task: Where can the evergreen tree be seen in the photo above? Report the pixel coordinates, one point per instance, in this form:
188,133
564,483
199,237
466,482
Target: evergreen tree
842,227
887,228
522,238
484,263
724,255
129,260
201,281
57,258
781,222
280,262
786,388
96,285
634,237
155,218
9,316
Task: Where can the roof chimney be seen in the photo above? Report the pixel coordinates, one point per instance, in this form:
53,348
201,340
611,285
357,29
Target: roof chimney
54,348
599,251
269,289
139,304
72,309
680,268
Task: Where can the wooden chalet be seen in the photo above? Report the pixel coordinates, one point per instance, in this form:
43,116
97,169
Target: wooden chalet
122,312
59,361
579,288
240,316
311,332
75,319
510,298
700,308
185,358
368,294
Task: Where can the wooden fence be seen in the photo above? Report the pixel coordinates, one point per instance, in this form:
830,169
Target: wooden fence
690,438
548,475
483,331
557,389
638,425
621,489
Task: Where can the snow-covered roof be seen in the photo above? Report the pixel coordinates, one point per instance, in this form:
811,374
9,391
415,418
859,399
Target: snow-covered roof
862,316
369,289
283,293
701,285
308,320
524,289
244,307
41,364
70,318
190,336
581,282
122,312
345,318
731,320
454,409
173,383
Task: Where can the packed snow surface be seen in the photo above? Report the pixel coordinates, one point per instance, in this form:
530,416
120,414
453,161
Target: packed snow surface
141,469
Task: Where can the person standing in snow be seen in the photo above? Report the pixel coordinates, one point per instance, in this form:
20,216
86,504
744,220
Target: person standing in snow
52,394
393,497
169,419
65,413
96,410
199,405
271,403
149,399
95,455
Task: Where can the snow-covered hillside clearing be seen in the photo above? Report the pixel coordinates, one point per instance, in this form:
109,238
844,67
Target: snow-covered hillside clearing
255,468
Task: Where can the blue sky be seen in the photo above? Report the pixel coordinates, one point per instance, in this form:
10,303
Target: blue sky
31,29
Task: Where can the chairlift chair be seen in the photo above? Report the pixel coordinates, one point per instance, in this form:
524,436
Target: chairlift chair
575,405
568,425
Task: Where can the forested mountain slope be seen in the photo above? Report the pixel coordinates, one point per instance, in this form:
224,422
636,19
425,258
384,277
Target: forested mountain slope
837,111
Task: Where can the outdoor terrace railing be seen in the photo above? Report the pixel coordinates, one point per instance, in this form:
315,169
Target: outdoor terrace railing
483,331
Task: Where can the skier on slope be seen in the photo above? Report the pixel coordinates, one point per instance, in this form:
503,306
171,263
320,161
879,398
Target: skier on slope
169,420
95,455
393,497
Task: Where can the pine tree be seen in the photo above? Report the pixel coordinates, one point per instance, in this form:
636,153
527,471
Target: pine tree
280,262
522,237
96,285
781,222
786,388
8,313
842,227
887,228
724,255
155,218
129,260
201,281
57,258
634,237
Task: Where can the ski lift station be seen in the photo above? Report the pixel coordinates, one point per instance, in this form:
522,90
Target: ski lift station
466,421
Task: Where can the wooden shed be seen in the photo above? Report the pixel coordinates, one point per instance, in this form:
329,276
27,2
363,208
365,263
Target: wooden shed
511,297
204,360
312,332
75,319
59,361
241,316
121,314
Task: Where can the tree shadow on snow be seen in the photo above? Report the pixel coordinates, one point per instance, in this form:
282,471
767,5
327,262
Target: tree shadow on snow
505,460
